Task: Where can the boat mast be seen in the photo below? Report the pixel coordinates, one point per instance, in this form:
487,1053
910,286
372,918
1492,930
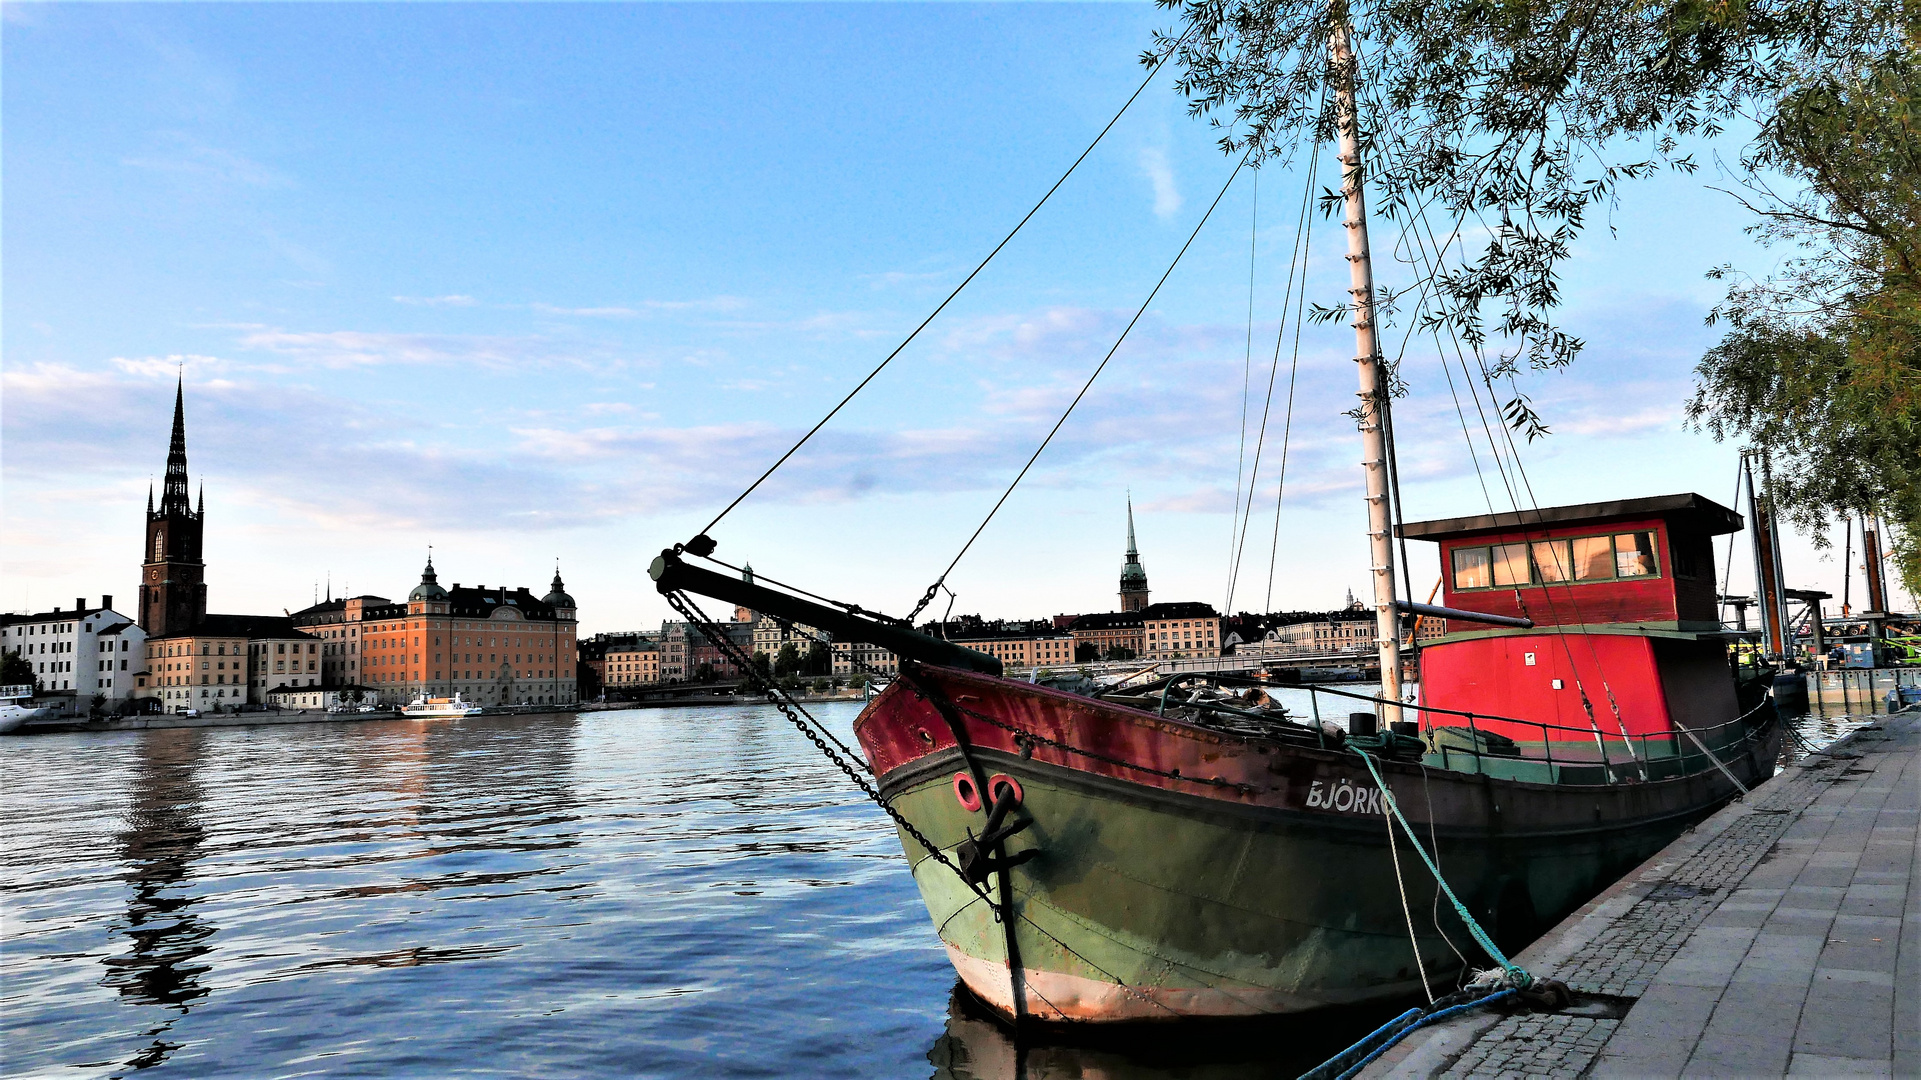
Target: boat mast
1367,358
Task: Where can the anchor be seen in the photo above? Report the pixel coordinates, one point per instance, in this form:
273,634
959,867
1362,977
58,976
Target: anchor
977,864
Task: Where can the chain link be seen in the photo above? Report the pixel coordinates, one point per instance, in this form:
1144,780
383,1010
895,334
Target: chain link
788,707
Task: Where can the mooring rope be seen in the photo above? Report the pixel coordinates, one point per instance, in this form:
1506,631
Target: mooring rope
1516,974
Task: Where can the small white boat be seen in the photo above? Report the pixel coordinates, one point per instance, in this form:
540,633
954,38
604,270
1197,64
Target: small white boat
435,708
12,713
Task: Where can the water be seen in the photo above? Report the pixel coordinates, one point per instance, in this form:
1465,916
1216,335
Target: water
674,892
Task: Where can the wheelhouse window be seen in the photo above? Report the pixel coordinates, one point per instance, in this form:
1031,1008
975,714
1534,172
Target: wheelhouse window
1552,562
1471,569
1510,564
1593,558
1634,554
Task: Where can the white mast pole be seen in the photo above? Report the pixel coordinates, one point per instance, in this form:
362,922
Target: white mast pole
1373,392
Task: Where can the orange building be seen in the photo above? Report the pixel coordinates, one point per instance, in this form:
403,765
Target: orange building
491,646
635,665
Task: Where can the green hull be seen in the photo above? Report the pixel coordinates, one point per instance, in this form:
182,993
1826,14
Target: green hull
1158,898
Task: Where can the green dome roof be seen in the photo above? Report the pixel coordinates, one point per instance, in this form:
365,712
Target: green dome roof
429,587
557,594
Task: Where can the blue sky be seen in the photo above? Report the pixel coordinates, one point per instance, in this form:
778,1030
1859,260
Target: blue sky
538,282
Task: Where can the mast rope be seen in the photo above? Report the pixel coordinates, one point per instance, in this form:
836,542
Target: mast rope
1247,376
1297,261
1421,259
1153,70
941,581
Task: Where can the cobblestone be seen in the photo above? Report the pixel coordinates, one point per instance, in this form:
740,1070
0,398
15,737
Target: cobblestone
1787,942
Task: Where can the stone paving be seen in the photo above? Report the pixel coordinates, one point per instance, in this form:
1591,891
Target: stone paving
1782,937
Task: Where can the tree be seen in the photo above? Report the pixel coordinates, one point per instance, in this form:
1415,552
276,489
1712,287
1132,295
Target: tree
704,673
17,670
1119,652
1821,363
789,661
762,664
820,659
1516,117
1085,651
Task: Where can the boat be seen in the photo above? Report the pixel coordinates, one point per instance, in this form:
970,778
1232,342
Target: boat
423,707
14,714
1180,850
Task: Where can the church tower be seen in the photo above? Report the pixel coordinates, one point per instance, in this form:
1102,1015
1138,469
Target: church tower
1133,574
173,585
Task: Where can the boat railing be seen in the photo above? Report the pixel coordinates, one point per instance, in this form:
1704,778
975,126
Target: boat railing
1587,755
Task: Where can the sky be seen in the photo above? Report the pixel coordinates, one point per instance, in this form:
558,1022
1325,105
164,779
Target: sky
551,284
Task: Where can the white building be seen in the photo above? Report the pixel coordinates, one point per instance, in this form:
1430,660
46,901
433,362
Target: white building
80,653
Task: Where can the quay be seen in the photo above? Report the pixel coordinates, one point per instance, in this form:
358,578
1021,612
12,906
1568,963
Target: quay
1780,937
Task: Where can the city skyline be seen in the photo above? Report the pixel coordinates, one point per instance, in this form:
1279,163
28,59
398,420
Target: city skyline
569,314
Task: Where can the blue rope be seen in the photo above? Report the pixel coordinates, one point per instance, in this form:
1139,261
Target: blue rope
1406,1031
1521,979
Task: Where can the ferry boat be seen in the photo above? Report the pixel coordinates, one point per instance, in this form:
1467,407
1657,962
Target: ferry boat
438,708
13,714
1176,851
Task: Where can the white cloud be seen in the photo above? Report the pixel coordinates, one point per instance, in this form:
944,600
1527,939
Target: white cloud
1167,197
184,155
361,348
452,300
589,312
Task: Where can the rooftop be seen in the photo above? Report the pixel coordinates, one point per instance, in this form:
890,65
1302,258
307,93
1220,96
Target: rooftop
1694,509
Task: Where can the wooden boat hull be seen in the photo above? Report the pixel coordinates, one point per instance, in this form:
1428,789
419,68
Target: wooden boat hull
1187,873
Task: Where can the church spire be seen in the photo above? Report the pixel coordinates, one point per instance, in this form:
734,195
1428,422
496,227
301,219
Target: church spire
173,497
1133,574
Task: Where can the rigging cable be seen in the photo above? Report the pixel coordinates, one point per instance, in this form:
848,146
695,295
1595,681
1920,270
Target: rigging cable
1287,426
1418,221
1297,261
862,385
1247,378
941,581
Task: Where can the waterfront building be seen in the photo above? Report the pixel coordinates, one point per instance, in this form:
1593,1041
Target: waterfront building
79,654
861,658
770,634
493,646
1349,629
1016,644
1133,574
1107,631
703,654
227,662
330,698
635,664
337,623
1181,630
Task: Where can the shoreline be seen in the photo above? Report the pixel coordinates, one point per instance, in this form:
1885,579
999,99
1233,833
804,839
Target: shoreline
162,721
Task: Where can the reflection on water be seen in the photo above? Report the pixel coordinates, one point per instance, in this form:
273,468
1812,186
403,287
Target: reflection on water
166,938
974,1046
671,892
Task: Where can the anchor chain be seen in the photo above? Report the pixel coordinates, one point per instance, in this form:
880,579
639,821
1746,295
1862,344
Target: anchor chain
789,708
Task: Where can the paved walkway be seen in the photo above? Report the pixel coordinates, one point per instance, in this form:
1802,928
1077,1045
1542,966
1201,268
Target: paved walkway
1780,937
